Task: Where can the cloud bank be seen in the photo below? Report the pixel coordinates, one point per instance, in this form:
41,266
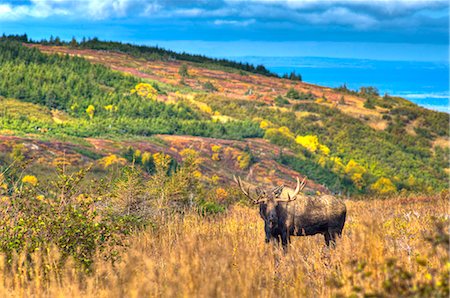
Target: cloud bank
355,14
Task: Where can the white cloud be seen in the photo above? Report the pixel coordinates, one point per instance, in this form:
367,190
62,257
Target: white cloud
5,10
190,12
234,22
341,16
95,9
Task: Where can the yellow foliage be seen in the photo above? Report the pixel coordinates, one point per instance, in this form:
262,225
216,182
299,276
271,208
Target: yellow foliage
353,167
3,184
264,124
74,107
162,160
90,111
215,179
83,198
59,116
384,186
18,152
310,142
146,156
145,90
137,153
30,179
244,160
324,149
355,171
204,108
60,162
112,160
189,153
322,161
411,180
338,166
216,148
197,174
221,194
111,108
285,134
286,131
358,180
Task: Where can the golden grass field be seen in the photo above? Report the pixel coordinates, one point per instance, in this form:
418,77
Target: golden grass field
226,257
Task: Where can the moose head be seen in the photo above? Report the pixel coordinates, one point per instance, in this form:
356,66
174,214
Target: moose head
270,203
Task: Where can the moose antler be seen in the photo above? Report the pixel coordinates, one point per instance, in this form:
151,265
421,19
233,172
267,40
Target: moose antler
245,192
278,190
299,187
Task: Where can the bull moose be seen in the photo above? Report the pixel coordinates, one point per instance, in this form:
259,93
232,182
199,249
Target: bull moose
288,212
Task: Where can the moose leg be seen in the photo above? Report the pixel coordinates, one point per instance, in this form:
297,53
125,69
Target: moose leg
267,232
285,240
330,238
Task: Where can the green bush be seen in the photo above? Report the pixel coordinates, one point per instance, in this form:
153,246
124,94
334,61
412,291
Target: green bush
293,94
280,101
34,219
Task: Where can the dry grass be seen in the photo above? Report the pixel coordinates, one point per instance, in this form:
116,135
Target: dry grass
227,257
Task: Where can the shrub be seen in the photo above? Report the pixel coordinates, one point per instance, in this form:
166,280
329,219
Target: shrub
90,110
369,104
208,86
145,90
33,219
383,186
280,101
292,94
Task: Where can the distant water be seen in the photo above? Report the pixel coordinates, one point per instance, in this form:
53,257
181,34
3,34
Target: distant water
424,83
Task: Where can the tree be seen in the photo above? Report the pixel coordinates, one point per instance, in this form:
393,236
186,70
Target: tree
73,43
183,70
369,91
293,76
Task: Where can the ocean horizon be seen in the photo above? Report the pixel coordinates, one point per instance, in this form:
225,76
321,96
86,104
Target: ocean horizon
423,83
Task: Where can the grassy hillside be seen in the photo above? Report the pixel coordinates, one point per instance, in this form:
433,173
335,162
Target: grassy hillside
348,141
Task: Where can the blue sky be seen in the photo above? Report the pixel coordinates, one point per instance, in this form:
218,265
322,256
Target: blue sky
385,29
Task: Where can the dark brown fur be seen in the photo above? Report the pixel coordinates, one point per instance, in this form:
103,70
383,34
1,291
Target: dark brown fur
307,215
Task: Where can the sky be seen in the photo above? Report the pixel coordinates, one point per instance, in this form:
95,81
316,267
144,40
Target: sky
416,30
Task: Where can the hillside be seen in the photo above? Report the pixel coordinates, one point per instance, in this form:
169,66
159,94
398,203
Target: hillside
94,103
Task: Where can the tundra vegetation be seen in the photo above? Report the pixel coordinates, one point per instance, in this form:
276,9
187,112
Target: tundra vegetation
168,235
116,179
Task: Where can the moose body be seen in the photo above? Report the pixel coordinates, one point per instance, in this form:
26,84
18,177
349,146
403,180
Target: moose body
288,213
307,215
